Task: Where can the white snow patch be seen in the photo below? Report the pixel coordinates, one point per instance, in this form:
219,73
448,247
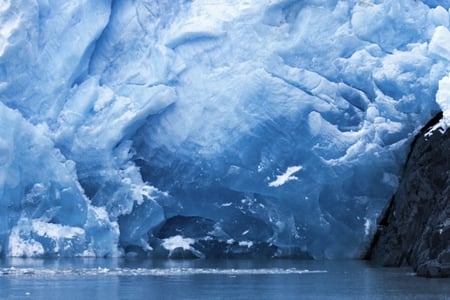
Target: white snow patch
287,176
177,242
441,126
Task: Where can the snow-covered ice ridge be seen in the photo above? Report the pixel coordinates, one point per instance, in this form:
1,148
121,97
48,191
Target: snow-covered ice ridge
275,127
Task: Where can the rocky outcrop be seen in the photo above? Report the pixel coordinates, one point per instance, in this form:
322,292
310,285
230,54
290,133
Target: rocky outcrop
415,228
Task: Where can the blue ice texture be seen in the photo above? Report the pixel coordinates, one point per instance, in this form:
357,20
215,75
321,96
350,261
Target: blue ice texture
202,128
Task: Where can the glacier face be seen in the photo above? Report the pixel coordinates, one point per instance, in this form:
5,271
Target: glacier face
191,128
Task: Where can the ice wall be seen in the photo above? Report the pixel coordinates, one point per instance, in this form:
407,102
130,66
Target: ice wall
210,129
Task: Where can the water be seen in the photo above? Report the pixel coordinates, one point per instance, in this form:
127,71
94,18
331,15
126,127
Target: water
205,279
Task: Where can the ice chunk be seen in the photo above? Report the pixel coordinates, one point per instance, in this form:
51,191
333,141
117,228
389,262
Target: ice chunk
31,238
439,44
439,16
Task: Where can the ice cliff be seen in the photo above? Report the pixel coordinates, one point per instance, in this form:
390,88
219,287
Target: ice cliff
210,128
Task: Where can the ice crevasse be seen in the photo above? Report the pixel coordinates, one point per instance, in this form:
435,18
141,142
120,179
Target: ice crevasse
210,128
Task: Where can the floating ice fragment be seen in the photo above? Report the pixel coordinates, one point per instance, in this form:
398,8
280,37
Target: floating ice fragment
43,272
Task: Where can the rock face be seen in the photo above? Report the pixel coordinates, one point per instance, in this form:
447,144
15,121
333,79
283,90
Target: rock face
415,228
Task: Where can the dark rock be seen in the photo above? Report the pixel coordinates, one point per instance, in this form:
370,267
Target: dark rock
433,268
415,227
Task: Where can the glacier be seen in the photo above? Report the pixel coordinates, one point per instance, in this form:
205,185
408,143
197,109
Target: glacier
226,128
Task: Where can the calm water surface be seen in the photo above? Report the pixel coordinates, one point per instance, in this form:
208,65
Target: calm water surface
111,279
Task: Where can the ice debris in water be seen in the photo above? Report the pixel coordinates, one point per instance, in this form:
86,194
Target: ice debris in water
142,127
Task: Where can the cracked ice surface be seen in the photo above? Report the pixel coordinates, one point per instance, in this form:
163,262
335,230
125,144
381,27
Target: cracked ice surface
276,127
